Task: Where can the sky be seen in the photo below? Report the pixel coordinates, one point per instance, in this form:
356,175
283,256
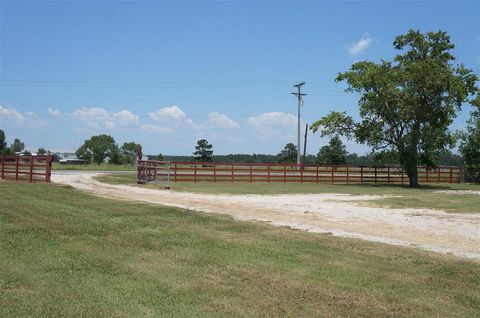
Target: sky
166,74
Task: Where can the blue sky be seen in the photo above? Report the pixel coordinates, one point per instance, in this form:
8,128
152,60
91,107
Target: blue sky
166,74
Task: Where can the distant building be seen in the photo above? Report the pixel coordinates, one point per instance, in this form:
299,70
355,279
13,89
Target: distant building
69,158
72,161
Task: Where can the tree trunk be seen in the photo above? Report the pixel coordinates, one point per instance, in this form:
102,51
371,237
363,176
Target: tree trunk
412,171
413,177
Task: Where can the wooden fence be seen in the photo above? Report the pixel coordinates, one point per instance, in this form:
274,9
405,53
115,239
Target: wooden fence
26,168
346,174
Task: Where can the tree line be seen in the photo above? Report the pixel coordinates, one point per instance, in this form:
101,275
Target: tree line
103,148
16,147
334,153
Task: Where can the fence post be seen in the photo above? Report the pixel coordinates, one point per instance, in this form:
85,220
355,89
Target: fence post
31,168
347,176
3,166
17,158
195,172
155,171
317,174
268,173
284,174
388,175
427,175
439,169
232,174
450,175
331,167
175,172
48,167
301,173
361,175
214,172
251,172
375,175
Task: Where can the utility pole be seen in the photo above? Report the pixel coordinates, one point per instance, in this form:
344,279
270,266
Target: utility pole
300,102
305,146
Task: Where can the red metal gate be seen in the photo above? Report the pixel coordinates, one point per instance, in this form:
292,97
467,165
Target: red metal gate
26,168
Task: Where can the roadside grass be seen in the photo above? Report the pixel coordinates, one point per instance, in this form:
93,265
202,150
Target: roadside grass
93,167
65,253
399,196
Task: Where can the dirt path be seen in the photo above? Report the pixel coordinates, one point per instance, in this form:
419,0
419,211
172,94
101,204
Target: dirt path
453,233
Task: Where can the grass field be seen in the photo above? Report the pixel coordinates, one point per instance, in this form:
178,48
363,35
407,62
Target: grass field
425,197
66,253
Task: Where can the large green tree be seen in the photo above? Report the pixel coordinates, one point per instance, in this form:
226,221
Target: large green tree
3,143
114,156
470,144
129,152
97,149
203,151
407,104
288,154
17,145
335,153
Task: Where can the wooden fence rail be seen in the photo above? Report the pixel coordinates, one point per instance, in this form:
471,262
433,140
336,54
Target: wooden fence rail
26,168
347,174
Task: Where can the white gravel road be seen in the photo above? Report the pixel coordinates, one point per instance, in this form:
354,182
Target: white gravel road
434,230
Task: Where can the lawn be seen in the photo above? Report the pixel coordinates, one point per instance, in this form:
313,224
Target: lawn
66,253
425,197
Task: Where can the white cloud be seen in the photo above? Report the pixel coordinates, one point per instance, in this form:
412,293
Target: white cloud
54,112
94,117
221,120
361,45
99,118
274,124
172,114
156,128
125,118
11,115
169,113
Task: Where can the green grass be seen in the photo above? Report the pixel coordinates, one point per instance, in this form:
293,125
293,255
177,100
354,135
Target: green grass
424,197
94,167
65,253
